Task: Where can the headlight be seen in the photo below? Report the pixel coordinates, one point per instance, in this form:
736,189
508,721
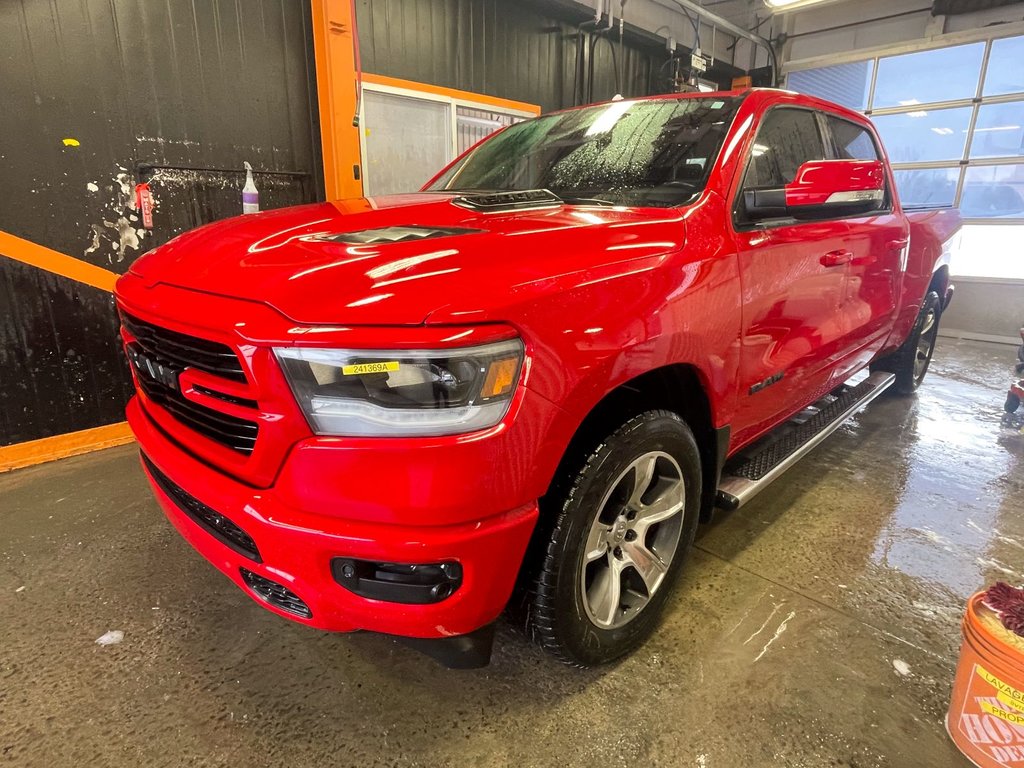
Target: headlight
412,392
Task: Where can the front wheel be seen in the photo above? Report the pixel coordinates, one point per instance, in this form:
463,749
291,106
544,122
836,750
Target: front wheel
911,361
618,543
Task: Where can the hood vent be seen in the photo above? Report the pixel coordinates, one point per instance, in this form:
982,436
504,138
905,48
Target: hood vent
490,202
386,235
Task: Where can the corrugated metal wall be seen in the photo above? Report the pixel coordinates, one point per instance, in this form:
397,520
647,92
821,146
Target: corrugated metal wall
199,87
524,50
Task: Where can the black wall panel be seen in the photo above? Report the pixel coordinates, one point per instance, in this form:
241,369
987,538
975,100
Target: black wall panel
61,367
205,85
523,50
192,89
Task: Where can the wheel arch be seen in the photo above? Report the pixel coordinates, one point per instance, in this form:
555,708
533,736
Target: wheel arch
940,283
680,388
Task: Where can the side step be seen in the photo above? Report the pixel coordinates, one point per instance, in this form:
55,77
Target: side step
748,473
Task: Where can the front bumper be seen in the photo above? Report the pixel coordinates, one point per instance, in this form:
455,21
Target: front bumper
296,547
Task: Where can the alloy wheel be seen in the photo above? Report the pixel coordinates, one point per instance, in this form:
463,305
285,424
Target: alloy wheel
633,540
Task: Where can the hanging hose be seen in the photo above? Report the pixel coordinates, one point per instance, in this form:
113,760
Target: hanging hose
615,66
358,66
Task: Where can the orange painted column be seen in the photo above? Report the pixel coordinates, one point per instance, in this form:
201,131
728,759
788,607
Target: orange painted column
335,55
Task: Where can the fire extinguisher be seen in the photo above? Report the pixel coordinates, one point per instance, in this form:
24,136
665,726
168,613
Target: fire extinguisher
144,202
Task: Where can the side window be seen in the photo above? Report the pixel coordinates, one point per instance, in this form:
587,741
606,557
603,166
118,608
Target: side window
787,139
852,141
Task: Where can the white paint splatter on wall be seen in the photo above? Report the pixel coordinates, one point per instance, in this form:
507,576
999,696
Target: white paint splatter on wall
117,226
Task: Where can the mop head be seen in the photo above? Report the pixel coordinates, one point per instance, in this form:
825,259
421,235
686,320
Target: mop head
1008,603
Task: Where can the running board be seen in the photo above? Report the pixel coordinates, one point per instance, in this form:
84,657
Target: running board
755,468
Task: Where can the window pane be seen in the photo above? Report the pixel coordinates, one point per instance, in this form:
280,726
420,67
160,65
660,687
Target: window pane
408,140
943,74
925,136
989,250
845,84
993,192
473,125
999,131
787,139
1005,74
852,141
934,188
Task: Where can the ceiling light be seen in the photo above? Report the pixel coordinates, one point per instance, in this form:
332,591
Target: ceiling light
791,5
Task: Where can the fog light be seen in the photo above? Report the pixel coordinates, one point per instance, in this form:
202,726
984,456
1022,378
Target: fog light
415,584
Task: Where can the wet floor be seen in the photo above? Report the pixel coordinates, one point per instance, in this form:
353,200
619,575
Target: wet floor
818,626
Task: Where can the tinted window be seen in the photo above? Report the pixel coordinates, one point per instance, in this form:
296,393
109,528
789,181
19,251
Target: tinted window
931,188
852,142
925,77
925,135
787,139
993,192
846,84
999,131
1005,74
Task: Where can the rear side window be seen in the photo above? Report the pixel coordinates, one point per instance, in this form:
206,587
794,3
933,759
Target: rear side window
787,139
852,141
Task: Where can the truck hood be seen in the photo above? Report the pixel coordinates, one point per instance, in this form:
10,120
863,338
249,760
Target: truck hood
407,259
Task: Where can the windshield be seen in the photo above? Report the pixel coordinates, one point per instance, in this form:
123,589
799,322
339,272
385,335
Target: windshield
642,153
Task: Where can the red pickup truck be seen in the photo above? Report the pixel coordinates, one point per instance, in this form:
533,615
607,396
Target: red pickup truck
526,384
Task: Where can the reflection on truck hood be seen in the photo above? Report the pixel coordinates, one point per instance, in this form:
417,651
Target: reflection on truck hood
402,259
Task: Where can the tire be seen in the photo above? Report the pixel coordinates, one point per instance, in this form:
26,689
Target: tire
1012,403
911,361
606,533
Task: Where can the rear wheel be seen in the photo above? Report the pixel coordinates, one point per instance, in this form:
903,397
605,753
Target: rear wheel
911,361
619,541
1012,403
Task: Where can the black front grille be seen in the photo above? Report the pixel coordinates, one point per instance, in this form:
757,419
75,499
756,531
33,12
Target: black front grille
181,351
214,523
276,594
159,356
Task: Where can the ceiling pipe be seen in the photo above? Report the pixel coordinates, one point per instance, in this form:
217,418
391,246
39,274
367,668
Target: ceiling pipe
726,25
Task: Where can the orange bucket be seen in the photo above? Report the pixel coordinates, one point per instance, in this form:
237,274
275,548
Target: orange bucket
986,713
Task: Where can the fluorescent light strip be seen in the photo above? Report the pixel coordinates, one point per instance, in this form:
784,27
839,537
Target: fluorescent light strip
788,5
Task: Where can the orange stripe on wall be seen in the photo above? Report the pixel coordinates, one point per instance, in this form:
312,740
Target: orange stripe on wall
452,93
62,446
58,263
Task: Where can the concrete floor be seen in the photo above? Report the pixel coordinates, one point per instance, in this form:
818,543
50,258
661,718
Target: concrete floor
783,647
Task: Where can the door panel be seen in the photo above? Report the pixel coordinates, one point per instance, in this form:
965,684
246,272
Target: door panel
792,324
878,244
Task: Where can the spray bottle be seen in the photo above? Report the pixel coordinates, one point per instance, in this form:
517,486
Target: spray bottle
250,195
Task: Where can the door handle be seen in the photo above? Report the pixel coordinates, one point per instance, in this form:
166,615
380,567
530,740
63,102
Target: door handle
836,259
897,245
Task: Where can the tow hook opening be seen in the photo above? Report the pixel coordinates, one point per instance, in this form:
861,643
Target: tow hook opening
413,584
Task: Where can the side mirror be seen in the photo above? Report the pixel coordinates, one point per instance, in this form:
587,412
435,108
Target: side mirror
822,188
